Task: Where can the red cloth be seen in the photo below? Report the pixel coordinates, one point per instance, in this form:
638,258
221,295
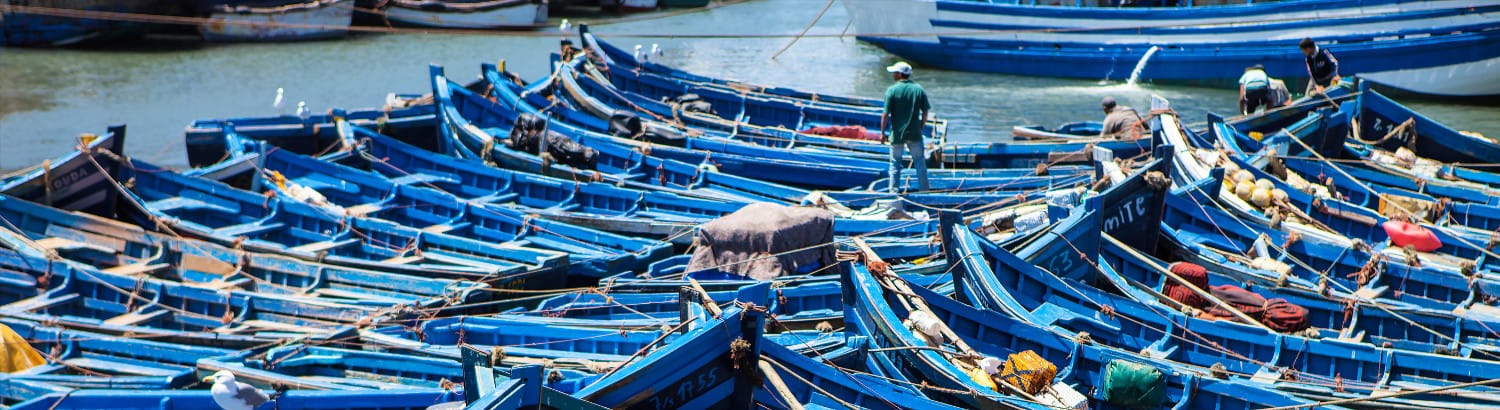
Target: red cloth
1403,234
1192,273
1246,301
855,132
1283,316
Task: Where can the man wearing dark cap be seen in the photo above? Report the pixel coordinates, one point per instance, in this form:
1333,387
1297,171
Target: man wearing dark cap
1254,85
1321,66
1121,122
906,109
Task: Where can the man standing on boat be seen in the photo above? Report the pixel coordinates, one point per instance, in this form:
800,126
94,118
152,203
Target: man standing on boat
1321,66
1255,86
905,113
1121,122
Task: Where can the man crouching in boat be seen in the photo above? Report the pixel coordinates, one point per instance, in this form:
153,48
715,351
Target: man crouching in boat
1121,122
906,111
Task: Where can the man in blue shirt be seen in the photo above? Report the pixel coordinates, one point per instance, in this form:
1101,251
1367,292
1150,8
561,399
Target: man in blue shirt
906,111
1254,85
1321,66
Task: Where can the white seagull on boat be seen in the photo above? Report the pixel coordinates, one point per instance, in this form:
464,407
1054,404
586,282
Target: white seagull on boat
232,395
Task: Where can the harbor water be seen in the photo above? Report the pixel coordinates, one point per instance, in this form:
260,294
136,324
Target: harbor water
48,97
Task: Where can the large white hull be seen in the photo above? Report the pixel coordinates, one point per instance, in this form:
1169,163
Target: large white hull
1472,79
914,20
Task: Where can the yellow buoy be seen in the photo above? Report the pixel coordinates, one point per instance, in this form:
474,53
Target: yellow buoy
1260,198
1244,189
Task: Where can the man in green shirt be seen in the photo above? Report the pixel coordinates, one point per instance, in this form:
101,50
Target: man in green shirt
905,115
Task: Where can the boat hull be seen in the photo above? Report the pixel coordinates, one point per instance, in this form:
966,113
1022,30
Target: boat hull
514,14
21,29
321,19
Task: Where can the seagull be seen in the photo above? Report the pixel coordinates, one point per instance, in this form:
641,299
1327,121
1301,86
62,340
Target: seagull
280,101
302,110
638,55
565,25
655,49
233,395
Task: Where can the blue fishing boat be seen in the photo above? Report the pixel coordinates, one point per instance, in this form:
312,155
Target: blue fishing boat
232,217
641,106
618,56
1403,48
1329,218
73,296
77,181
54,23
597,205
524,340
711,363
883,308
404,399
748,160
275,20
591,253
122,249
477,120
314,134
732,104
311,367
997,280
467,14
521,387
83,360
798,305
1071,130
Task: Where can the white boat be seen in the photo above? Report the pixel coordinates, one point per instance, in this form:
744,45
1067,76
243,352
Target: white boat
492,14
282,21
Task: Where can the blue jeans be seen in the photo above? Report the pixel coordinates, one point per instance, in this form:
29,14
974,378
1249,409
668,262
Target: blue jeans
919,160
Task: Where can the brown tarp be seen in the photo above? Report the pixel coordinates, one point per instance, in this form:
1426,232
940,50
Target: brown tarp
765,241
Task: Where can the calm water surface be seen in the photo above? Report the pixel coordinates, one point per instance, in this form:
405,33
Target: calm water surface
47,97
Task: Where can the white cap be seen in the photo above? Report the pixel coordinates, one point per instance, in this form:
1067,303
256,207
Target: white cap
900,67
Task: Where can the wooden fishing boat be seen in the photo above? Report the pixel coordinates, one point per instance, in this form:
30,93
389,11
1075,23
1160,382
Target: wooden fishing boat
232,217
123,249
474,116
594,83
525,340
1071,130
1325,218
798,305
405,399
997,280
77,181
73,296
83,360
276,20
311,367
970,334
772,165
22,27
467,14
618,56
712,362
591,253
